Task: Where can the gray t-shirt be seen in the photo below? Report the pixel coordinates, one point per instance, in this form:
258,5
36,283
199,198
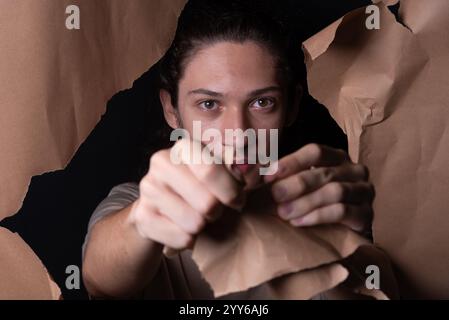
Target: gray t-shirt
178,277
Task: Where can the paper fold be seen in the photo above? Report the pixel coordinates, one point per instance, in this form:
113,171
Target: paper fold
54,87
387,89
244,250
22,275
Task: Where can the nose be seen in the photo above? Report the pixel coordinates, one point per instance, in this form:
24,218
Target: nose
234,123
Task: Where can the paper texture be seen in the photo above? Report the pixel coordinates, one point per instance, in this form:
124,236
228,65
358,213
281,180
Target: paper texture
22,275
256,246
55,84
388,90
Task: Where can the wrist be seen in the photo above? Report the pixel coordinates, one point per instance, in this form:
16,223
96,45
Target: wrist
132,226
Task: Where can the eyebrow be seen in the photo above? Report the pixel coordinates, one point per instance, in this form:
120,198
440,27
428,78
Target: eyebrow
219,94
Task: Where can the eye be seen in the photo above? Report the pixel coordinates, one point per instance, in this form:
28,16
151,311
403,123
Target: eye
263,103
209,104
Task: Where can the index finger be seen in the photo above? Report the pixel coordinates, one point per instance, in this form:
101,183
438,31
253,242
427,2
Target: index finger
216,177
311,155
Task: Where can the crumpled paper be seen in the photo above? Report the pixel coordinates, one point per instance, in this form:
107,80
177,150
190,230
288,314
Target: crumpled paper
244,250
388,90
54,87
22,275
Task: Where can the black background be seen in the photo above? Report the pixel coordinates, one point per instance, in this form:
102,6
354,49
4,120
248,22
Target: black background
57,208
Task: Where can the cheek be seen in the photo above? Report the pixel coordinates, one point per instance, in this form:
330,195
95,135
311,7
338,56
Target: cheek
272,120
189,112
189,115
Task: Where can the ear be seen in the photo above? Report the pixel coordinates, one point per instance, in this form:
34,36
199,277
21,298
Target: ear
170,113
293,111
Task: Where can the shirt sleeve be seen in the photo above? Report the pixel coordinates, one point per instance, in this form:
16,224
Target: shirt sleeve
118,198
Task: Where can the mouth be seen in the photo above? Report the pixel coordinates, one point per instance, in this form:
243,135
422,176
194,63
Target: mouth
242,168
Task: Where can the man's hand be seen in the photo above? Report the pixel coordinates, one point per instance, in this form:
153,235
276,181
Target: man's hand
177,200
320,185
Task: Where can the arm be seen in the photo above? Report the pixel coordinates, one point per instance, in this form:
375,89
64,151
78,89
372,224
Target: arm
118,262
124,249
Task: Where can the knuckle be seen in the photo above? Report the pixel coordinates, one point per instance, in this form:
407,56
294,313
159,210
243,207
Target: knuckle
197,224
206,173
146,186
182,143
339,211
301,182
183,240
327,174
206,206
145,183
372,191
231,196
305,204
143,220
366,191
336,190
344,155
369,193
315,150
158,159
316,217
331,214
361,170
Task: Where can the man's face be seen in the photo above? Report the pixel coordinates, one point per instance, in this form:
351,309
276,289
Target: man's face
231,85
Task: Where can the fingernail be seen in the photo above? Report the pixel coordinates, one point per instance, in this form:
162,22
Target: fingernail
301,222
298,222
279,193
285,210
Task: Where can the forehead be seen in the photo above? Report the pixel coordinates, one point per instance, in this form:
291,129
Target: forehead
225,66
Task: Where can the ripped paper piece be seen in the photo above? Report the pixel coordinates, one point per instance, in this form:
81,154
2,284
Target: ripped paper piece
244,250
56,82
388,90
22,275
54,88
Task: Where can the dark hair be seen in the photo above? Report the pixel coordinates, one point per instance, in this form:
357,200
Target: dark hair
205,22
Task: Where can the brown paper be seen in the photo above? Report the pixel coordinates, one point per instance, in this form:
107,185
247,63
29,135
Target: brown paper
54,87
306,284
244,250
56,82
22,275
388,90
